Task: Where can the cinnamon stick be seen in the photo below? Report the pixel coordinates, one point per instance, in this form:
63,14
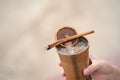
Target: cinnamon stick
58,42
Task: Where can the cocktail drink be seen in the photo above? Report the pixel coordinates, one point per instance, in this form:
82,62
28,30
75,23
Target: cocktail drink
73,51
74,55
74,59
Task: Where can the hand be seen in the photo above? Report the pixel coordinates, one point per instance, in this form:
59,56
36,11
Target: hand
101,70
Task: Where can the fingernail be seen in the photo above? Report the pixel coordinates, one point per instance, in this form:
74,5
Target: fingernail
60,64
63,74
86,72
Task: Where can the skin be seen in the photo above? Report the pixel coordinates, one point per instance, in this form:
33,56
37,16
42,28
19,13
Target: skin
101,70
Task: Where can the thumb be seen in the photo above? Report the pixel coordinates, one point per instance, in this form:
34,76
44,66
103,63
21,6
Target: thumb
91,69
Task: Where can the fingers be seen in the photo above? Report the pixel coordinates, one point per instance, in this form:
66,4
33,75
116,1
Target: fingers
91,69
60,64
63,73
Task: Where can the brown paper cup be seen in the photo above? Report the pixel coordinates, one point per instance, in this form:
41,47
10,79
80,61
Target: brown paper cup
73,65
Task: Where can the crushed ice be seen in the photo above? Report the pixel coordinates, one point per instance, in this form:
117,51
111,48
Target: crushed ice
69,50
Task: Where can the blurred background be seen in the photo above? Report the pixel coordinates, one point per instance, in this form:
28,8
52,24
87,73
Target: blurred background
26,26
